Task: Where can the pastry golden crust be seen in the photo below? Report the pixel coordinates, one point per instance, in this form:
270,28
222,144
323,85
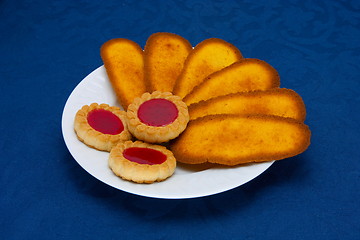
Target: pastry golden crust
140,172
209,56
277,101
94,138
248,74
237,139
153,132
164,54
124,63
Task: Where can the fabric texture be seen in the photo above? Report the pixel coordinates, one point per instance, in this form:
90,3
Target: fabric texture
48,47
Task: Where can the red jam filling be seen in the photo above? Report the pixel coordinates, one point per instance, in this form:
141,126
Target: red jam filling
105,122
157,112
144,155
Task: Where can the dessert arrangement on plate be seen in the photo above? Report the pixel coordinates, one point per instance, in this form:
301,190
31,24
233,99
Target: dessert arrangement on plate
193,105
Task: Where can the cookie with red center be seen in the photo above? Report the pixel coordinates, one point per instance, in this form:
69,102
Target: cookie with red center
141,162
157,117
101,126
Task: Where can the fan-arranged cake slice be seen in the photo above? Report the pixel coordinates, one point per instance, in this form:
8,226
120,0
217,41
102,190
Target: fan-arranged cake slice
248,74
209,56
238,139
165,54
277,101
124,63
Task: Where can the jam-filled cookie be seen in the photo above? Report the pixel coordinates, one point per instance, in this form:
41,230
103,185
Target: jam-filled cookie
157,117
141,162
101,126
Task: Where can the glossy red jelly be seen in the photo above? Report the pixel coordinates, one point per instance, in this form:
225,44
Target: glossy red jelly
105,122
157,112
144,155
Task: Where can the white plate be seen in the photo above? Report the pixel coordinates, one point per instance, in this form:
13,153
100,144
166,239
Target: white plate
187,181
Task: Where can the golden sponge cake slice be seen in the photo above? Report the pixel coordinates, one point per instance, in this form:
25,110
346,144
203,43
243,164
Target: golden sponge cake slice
124,63
238,139
248,74
277,101
207,57
165,54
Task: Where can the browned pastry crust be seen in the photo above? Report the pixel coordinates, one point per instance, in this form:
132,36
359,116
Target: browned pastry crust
277,101
141,173
96,139
165,54
124,63
237,139
245,75
209,56
154,134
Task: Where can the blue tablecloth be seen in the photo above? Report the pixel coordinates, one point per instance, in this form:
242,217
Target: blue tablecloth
48,47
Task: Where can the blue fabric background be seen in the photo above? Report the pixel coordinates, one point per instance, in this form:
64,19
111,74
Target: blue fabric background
48,47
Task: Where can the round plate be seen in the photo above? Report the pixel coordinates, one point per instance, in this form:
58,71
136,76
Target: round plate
187,181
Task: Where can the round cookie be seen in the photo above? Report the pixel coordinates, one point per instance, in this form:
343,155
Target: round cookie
141,162
101,126
157,117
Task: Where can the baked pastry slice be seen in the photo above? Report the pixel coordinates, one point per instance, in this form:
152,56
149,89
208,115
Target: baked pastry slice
246,75
237,139
157,117
101,126
124,63
209,56
141,162
277,101
165,54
